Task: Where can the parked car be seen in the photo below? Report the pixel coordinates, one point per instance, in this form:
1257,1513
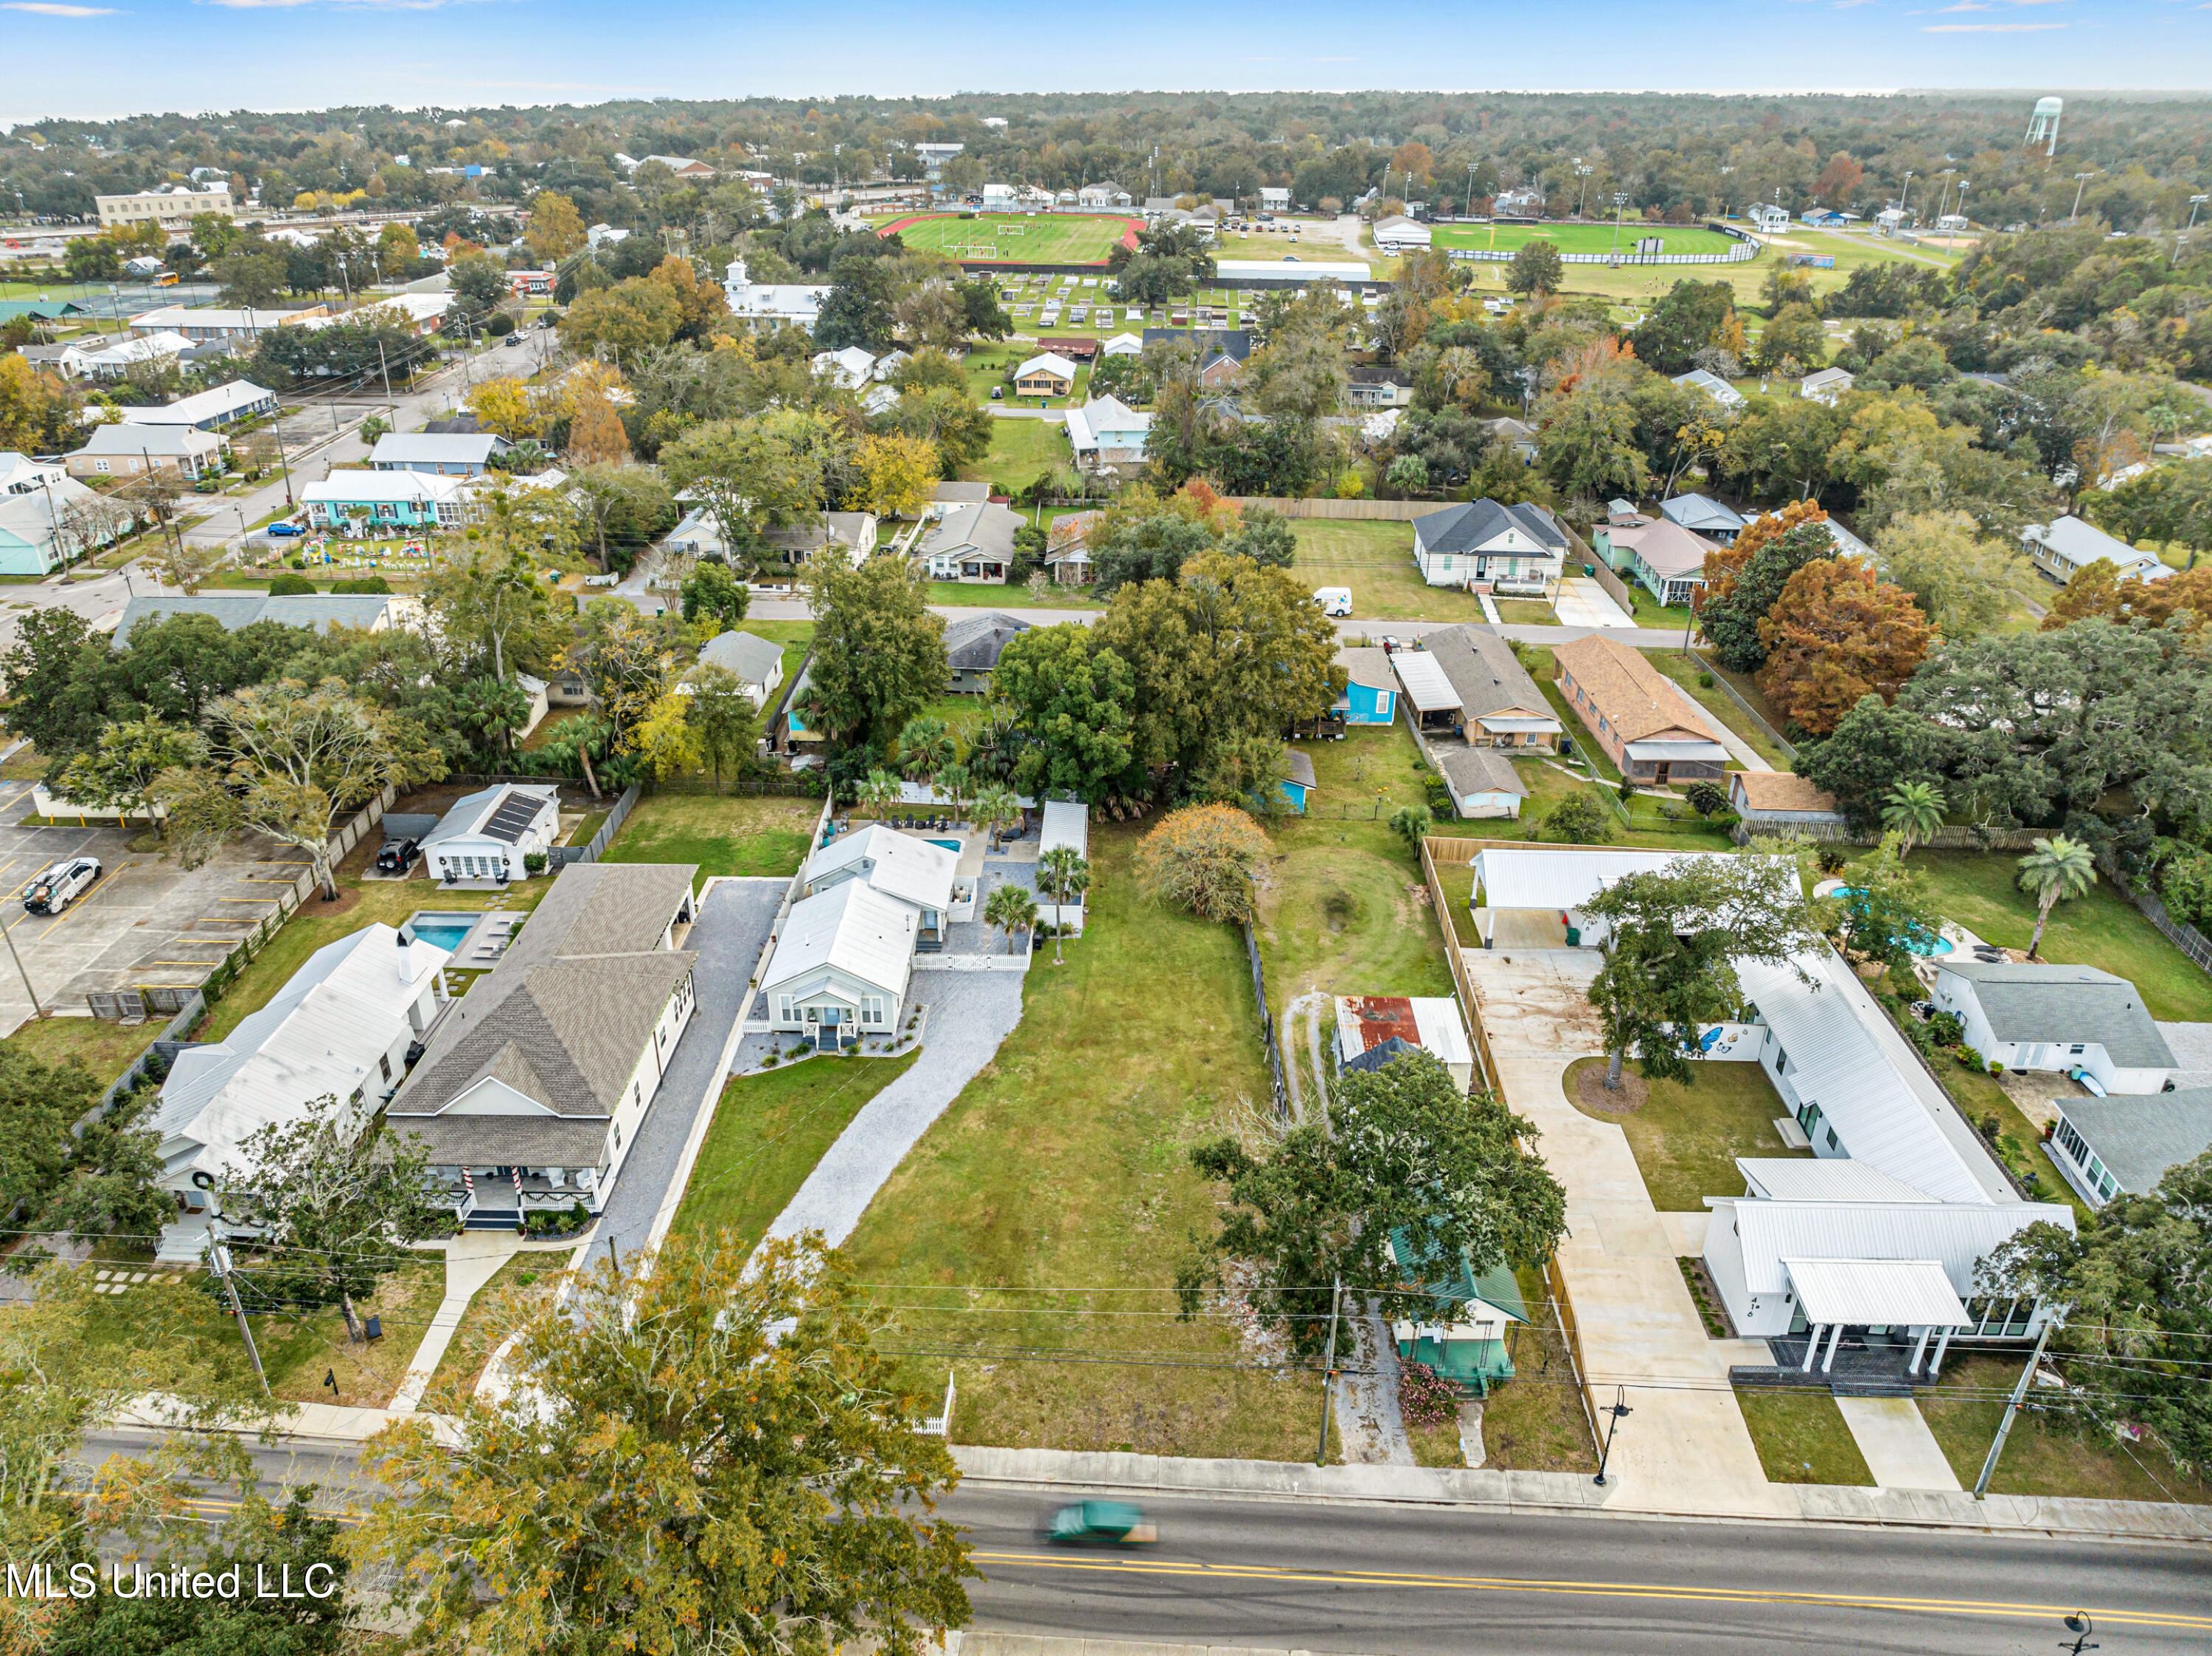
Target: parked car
1334,601
513,342
397,856
997,393
279,529
603,580
57,887
1101,1524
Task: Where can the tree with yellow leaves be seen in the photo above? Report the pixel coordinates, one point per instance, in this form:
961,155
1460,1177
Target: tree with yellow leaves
556,228
895,475
506,406
665,739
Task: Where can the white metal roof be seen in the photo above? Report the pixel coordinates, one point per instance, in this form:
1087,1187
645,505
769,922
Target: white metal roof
1436,1017
1562,879
851,928
377,488
321,1033
898,864
215,405
1849,1059
1823,1179
1423,675
1065,824
1052,361
1958,1234
1707,750
1907,1292
438,447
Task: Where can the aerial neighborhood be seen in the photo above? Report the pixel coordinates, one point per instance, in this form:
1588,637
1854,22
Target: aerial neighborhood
1496,803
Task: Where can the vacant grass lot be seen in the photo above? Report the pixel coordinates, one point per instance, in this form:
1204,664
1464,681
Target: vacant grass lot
1980,890
1587,238
723,834
768,1131
1802,1438
2048,1454
1534,1423
1375,560
1022,450
1685,1139
1016,238
1062,1176
106,1049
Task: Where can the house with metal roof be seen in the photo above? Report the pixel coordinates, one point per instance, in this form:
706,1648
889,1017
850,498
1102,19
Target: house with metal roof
1500,705
1106,431
1064,822
2112,1147
320,610
1729,399
1461,1335
1372,1029
341,1026
1430,693
1045,375
2065,547
1702,515
974,644
1645,722
490,835
757,662
1826,385
906,867
536,1083
2076,1019
1488,548
384,501
447,454
240,399
841,968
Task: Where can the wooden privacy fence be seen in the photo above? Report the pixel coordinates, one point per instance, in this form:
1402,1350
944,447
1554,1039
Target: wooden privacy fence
1321,506
1563,1310
1452,958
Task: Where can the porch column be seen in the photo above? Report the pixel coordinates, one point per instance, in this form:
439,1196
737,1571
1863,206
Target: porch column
1811,1347
1935,1362
1834,1340
1919,1348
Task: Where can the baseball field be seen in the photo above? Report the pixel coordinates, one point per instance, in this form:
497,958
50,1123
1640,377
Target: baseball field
1017,237
1580,238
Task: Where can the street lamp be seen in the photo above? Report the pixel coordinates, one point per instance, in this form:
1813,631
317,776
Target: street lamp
1617,1409
2081,1627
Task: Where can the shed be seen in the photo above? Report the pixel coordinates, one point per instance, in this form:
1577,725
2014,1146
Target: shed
1368,1026
1782,799
1298,785
1482,781
1065,822
488,834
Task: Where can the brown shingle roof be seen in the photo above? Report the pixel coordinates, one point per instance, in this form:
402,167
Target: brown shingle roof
1638,700
1782,790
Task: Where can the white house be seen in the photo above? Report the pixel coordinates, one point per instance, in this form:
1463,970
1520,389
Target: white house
758,663
1482,781
1397,233
1483,546
1105,194
537,1082
840,966
21,475
2063,549
852,367
2072,1018
487,834
904,867
1274,198
1106,431
972,544
341,1027
1770,219
1372,1029
1729,398
446,454
2107,1147
770,303
1064,824
1123,344
239,400
111,359
1826,385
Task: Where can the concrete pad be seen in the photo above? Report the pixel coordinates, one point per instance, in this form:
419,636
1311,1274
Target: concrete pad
1686,1233
1581,602
1900,1451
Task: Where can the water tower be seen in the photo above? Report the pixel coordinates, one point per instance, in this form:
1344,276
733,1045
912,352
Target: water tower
2043,125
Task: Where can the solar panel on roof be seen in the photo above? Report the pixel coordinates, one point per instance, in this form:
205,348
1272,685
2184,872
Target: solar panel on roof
515,813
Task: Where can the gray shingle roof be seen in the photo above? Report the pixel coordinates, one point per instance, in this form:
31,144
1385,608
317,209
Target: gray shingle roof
565,1015
987,528
2068,1004
751,658
974,644
1475,522
1478,770
510,1141
1482,669
2140,1137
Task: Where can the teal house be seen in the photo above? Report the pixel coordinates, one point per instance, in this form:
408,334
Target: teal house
1463,1334
1298,784
1370,689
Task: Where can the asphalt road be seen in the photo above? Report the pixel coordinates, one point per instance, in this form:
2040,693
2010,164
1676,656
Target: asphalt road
1343,1577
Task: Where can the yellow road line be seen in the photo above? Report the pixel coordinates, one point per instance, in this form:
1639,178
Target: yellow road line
1169,1568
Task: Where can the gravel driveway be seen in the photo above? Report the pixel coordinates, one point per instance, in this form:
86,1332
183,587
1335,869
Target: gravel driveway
969,1014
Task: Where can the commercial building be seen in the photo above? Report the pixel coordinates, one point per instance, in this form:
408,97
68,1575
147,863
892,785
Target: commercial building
174,209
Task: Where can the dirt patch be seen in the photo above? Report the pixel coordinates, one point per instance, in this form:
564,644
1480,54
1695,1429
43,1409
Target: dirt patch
318,907
1588,1087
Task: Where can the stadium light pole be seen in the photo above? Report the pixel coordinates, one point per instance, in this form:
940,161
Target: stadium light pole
2080,182
2195,202
1582,188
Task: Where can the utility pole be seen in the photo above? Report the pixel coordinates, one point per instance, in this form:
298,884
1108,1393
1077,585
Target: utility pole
221,1257
1329,1371
2195,202
2004,1426
37,1006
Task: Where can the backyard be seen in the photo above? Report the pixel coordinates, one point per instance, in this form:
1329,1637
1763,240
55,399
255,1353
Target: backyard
1022,450
1375,560
106,1049
1686,1138
722,833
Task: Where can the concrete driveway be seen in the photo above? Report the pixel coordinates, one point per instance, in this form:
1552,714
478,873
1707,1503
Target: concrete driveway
969,1014
1581,602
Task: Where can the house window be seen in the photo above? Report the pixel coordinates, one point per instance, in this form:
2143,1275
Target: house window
872,1009
100,466
2071,1141
384,1063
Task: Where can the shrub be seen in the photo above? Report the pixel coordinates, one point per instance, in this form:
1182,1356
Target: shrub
1969,1058
1945,1029
533,862
1996,1067
1203,858
1831,857
362,583
499,326
1578,819
1424,1397
1990,1126
1704,681
297,561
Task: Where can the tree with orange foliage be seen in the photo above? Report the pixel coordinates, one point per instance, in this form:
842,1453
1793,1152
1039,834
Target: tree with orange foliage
1838,633
1724,565
1203,858
703,303
2098,593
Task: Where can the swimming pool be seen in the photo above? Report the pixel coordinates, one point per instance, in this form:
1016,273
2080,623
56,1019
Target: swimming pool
950,844
445,930
1919,942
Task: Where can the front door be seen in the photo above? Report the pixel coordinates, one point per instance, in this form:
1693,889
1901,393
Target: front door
1659,773
825,1031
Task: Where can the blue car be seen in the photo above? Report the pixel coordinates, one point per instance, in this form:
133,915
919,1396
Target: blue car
273,530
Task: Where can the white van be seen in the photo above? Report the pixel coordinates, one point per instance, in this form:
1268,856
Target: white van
57,887
1335,601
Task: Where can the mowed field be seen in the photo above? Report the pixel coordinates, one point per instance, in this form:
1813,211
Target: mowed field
1016,238
1579,238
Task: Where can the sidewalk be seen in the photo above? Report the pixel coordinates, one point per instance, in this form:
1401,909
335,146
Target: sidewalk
472,1259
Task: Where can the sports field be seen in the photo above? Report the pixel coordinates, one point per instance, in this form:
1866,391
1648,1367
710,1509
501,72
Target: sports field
1017,237
1580,237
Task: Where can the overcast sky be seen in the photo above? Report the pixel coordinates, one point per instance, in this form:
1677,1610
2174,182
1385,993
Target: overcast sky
91,58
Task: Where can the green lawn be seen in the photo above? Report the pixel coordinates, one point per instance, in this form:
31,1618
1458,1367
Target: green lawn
962,595
723,834
1586,239
1802,1438
768,1131
1526,612
2020,1144
106,1049
1685,1139
1021,452
1062,1176
1344,909
1015,238
1534,1423
793,635
494,1313
1375,560
1980,891
2046,1454
1684,671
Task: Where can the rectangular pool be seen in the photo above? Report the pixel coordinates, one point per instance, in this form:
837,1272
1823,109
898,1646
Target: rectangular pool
952,845
445,929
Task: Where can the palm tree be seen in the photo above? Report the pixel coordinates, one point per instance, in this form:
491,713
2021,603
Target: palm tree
879,791
953,787
996,810
1012,908
1913,810
1063,873
925,748
2058,868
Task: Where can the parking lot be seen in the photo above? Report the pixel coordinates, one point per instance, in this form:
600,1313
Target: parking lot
147,921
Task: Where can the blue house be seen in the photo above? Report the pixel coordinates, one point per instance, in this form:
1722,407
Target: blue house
1461,1333
1370,691
1299,783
